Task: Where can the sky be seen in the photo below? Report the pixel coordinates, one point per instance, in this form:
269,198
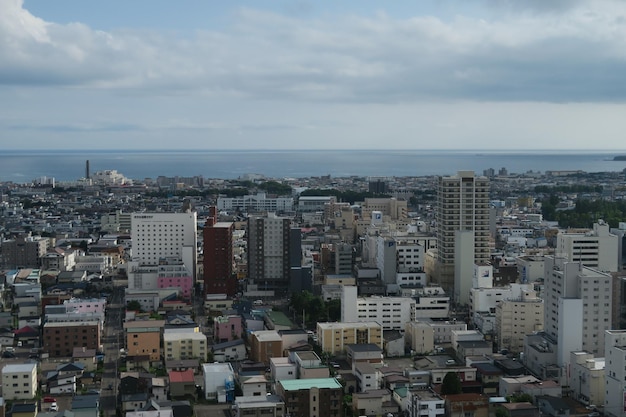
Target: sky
279,74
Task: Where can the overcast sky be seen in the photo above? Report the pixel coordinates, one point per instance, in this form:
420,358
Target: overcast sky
162,74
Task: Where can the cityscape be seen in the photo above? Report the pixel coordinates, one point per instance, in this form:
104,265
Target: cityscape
312,208
498,292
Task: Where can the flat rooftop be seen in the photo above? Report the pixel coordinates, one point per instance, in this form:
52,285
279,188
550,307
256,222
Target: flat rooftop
298,384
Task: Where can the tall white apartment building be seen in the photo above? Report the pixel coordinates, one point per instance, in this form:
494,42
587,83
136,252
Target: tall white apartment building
462,213
597,248
578,305
615,373
257,203
158,236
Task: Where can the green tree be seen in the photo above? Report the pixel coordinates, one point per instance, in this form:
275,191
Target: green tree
520,398
334,310
133,305
451,384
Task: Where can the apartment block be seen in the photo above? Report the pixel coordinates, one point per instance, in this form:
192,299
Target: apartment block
60,338
184,345
218,261
333,337
19,381
143,338
317,397
516,318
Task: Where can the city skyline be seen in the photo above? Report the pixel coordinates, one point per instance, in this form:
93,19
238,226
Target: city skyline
312,75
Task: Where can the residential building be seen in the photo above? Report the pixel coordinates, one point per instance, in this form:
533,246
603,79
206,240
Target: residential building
274,248
19,381
218,260
425,403
24,251
374,402
265,344
516,318
462,221
182,384
184,345
458,404
615,373
578,307
60,338
317,397
333,337
143,337
227,328
259,406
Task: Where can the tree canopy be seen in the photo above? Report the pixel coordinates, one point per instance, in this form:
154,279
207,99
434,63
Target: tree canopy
451,384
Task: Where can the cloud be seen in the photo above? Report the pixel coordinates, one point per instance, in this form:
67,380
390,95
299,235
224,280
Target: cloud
574,52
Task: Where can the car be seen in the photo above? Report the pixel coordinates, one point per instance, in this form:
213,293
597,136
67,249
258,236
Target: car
8,355
49,400
54,407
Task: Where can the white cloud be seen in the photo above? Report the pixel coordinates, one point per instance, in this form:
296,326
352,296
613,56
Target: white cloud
574,55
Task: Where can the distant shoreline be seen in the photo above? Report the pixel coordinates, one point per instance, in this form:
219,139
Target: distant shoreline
619,158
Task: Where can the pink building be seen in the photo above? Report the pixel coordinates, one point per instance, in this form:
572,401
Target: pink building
227,328
185,283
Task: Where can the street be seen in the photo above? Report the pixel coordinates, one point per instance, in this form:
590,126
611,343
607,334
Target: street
112,339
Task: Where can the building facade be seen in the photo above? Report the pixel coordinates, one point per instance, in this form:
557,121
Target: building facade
19,381
218,261
60,338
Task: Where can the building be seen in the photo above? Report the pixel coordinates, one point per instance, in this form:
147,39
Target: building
24,251
184,345
615,373
259,406
587,378
218,260
219,382
317,397
143,337
578,306
264,345
255,203
60,338
515,318
274,248
227,328
425,403
159,236
462,219
313,203
597,249
19,381
333,337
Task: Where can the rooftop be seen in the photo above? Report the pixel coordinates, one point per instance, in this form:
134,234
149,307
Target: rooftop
19,368
299,384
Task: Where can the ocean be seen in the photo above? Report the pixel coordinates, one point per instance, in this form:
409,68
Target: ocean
24,166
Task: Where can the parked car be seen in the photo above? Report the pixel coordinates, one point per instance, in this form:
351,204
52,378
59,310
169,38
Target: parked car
49,400
54,407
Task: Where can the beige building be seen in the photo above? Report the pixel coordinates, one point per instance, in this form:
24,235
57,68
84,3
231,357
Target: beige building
333,337
462,210
587,378
420,336
143,338
19,381
184,345
517,318
395,209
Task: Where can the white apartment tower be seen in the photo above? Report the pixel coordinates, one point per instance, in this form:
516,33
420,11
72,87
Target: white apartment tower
574,292
597,248
615,373
462,209
158,236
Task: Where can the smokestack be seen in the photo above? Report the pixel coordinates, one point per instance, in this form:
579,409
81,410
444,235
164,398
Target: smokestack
87,173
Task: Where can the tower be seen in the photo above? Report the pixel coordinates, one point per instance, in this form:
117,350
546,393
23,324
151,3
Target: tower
219,275
87,173
462,217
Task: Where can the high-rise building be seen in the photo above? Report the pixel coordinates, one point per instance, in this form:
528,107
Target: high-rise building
274,249
160,236
219,274
578,307
615,373
462,215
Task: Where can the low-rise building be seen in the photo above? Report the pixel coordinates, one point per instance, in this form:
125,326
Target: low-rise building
317,397
19,381
333,337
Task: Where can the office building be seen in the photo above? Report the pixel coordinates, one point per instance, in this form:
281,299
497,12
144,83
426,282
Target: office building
596,248
256,203
462,220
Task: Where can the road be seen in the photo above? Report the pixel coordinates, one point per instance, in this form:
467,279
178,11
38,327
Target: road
112,341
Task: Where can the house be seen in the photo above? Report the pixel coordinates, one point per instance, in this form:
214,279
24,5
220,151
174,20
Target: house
254,385
62,385
489,376
393,343
182,384
86,405
229,351
459,405
523,409
374,402
367,377
365,352
553,406
85,356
